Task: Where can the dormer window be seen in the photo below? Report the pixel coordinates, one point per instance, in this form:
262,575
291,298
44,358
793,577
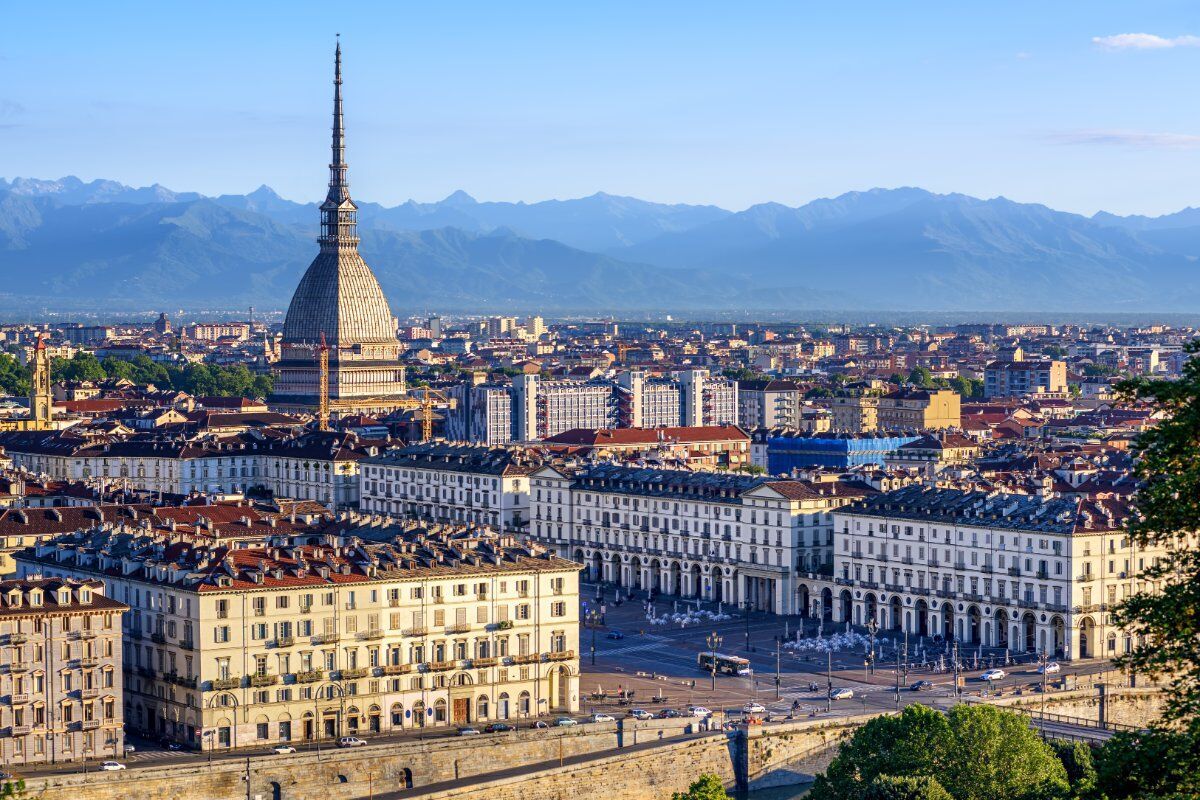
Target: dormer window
85,595
35,597
64,597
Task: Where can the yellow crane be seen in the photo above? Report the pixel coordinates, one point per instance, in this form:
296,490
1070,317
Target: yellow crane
321,353
424,406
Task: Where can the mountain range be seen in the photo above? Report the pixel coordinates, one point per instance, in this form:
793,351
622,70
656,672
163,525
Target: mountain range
74,244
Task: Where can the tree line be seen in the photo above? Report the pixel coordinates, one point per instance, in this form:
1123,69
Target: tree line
195,379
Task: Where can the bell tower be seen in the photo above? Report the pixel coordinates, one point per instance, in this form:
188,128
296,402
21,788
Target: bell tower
41,400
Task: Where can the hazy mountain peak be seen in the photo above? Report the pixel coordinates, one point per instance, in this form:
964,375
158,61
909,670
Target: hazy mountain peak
459,198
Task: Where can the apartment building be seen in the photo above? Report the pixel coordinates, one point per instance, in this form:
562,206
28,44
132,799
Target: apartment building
769,404
316,465
919,409
736,539
1022,572
483,413
1018,377
301,642
452,483
855,413
60,650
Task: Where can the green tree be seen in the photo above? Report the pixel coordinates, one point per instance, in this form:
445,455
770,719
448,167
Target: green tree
82,366
976,752
1076,758
905,787
708,787
920,376
14,378
1164,622
1155,764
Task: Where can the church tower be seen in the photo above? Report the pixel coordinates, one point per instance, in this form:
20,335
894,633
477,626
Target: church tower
41,399
340,301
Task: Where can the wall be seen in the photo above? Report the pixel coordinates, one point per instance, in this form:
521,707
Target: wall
1125,706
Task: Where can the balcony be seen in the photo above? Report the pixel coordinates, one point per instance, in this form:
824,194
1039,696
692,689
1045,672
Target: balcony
284,641
223,684
180,680
397,669
17,638
309,676
84,635
89,694
90,724
529,658
18,699
264,680
504,625
89,662
326,638
187,645
463,628
490,661
158,638
440,666
17,667
1085,577
933,562
560,655
394,602
306,609
353,673
415,632
21,730
1042,575
1014,572
986,568
373,633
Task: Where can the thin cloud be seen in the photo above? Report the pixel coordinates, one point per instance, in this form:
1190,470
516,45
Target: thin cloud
1144,41
1138,139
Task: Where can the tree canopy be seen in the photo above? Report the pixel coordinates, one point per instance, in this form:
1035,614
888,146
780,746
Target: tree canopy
708,787
195,379
974,752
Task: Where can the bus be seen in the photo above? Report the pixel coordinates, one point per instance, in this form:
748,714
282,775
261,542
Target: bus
725,665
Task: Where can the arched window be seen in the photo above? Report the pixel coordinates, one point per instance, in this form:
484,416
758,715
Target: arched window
481,706
523,703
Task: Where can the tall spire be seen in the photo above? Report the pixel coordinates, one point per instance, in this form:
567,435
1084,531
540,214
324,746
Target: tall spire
339,215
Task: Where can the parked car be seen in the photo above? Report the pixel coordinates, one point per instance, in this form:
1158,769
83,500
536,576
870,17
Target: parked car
600,718
174,747
350,741
112,766
669,713
565,722
640,713
616,636
468,731
499,727
283,749
754,708
842,693
699,711
540,724
993,675
922,686
1049,669
5,776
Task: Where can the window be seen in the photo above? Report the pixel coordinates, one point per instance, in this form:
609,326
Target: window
558,609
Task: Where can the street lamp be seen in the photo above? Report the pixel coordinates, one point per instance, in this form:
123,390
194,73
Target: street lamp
872,627
593,619
713,640
746,606
1043,659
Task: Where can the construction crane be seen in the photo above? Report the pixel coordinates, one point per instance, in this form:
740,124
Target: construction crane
321,353
424,408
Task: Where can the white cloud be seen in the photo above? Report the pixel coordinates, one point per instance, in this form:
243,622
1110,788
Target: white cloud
1144,41
1139,139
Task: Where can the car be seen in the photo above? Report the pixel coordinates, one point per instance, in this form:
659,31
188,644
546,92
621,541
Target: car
922,686
499,727
174,747
754,708
993,675
112,766
468,731
842,693
539,724
350,741
699,711
5,776
283,749
640,713
565,722
600,718
669,713
1049,669
616,636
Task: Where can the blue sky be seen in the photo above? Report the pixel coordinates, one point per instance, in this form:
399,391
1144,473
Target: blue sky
724,103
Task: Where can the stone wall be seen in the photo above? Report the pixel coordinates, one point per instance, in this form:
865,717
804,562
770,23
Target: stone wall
1125,706
795,752
336,774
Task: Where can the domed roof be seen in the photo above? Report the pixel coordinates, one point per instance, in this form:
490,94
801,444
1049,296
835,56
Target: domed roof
339,297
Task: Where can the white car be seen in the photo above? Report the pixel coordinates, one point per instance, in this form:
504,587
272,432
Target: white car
350,741
1049,669
283,749
993,675
699,711
600,718
754,708
841,694
565,722
640,714
112,766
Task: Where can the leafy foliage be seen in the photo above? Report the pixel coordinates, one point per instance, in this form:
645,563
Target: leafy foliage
195,379
1165,622
903,787
14,379
974,753
708,787
1155,764
1077,760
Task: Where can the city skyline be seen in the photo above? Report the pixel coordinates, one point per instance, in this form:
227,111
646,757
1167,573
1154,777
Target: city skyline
672,104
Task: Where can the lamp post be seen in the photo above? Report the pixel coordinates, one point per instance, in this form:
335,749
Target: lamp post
1043,659
713,640
593,619
746,606
872,627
